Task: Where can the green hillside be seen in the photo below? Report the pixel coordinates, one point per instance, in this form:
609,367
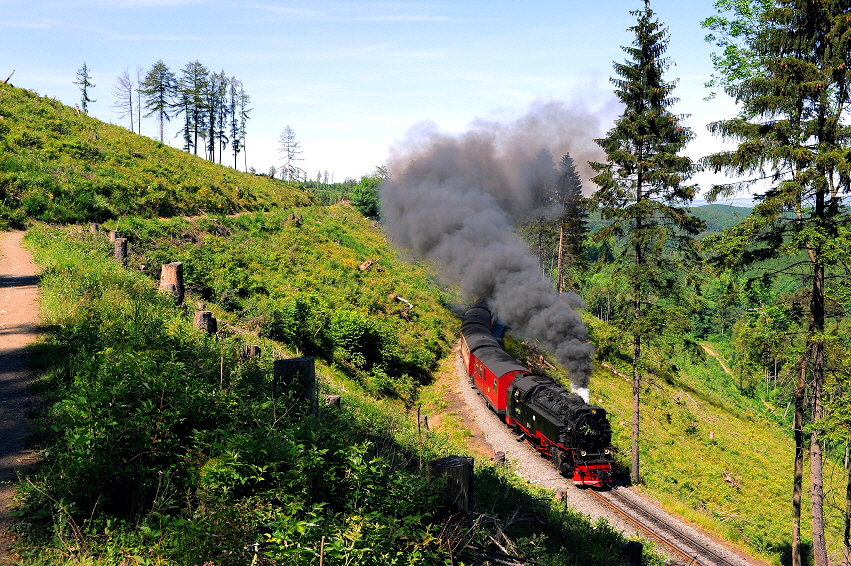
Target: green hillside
57,165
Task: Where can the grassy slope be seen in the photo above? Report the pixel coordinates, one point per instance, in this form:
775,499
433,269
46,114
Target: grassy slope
58,166
685,469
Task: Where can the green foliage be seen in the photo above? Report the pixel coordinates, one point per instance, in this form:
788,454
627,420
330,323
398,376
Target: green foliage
365,195
735,27
58,166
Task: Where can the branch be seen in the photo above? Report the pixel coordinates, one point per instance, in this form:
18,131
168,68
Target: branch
9,77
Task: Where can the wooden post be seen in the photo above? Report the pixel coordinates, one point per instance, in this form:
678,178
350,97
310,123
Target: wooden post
204,320
632,552
120,249
299,373
171,279
113,235
457,472
93,228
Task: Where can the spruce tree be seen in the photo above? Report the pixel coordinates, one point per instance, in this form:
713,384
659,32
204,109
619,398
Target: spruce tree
573,222
642,182
792,130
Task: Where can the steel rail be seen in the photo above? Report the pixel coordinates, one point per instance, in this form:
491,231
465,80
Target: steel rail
694,552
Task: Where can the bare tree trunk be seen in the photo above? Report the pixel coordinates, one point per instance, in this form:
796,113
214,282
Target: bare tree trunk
847,534
797,427
816,476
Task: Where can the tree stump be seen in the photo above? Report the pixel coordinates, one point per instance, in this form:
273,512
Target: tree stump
249,352
632,552
204,320
457,472
499,458
172,274
332,401
120,249
93,228
113,235
299,375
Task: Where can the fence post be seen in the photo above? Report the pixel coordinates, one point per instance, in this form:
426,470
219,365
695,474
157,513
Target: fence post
113,235
171,279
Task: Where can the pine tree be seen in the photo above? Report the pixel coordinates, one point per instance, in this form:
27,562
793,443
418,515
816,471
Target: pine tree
85,84
158,90
641,183
792,127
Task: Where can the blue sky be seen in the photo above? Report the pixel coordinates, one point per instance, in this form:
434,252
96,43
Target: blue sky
351,77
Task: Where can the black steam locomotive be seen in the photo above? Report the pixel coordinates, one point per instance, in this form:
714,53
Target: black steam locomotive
575,436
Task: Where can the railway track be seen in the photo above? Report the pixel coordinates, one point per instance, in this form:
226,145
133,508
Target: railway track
684,545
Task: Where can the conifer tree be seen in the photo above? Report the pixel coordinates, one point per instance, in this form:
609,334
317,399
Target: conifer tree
573,224
641,183
85,84
793,128
158,89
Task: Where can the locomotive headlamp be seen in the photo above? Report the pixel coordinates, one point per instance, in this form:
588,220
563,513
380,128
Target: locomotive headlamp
606,451
582,452
593,411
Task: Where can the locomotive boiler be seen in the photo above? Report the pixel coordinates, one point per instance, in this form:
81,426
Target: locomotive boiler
572,434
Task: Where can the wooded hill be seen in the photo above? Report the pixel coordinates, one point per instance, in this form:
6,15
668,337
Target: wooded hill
60,165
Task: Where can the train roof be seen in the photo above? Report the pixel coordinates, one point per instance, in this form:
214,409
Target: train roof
477,315
478,336
499,362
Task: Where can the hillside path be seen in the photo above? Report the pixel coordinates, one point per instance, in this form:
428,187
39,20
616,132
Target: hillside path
18,327
712,353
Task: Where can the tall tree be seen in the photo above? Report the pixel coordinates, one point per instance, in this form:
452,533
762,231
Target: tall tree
85,84
158,90
244,99
123,91
793,125
291,149
233,114
139,78
573,225
192,85
641,183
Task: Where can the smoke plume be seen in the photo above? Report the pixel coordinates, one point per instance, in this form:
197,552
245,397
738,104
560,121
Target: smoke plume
455,199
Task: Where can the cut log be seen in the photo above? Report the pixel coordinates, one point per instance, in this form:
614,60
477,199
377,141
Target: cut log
172,274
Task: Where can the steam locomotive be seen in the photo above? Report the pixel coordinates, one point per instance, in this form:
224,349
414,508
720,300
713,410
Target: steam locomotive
575,436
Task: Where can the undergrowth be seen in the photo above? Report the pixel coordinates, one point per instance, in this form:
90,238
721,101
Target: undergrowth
163,445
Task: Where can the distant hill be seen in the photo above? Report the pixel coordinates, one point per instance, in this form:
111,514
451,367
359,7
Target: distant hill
719,217
58,165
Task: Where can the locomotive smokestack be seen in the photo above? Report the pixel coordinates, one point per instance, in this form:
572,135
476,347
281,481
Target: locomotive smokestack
456,200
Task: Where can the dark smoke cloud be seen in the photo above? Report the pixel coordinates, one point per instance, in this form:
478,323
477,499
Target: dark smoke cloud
455,199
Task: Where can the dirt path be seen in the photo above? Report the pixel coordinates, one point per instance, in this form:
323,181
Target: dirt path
712,353
18,327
